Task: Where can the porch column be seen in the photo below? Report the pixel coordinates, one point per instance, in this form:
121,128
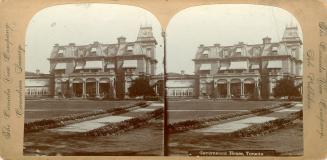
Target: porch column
242,89
271,89
63,89
228,89
97,88
71,90
113,88
56,89
258,89
84,89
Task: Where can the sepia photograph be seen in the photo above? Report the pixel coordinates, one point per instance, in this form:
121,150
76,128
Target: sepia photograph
177,79
93,82
163,79
234,83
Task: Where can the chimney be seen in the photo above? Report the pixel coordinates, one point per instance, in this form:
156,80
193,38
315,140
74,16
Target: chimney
266,40
37,71
121,40
96,43
182,72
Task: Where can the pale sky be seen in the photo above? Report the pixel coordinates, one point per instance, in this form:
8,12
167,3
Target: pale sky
223,24
84,24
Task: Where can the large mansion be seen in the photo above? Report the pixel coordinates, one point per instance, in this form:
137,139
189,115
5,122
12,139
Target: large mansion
236,71
243,70
94,70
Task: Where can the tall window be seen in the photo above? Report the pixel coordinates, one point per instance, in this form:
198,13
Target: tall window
130,71
256,52
221,54
148,51
293,51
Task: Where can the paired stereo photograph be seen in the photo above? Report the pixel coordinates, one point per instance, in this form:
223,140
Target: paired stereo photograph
108,80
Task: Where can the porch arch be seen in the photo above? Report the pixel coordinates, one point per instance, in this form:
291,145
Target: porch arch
91,87
249,87
222,88
236,86
77,84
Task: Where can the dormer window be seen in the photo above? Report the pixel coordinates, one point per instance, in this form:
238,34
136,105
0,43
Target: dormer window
274,50
60,53
238,52
225,53
130,48
93,52
205,54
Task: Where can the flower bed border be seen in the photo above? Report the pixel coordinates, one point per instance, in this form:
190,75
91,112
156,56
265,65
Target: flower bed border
63,120
205,122
120,127
267,127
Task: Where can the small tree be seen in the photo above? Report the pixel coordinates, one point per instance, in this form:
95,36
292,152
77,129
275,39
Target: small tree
286,87
141,87
160,87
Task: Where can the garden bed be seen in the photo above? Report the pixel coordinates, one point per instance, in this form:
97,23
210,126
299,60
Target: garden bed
267,127
64,120
120,127
205,122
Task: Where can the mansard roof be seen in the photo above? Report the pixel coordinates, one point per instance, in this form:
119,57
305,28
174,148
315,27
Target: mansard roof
97,49
121,48
267,48
241,50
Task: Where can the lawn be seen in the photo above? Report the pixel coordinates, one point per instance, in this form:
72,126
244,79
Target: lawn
194,109
286,141
40,109
146,140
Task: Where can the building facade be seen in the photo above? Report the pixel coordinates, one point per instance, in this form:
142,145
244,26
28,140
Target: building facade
38,85
182,86
237,71
244,70
95,70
